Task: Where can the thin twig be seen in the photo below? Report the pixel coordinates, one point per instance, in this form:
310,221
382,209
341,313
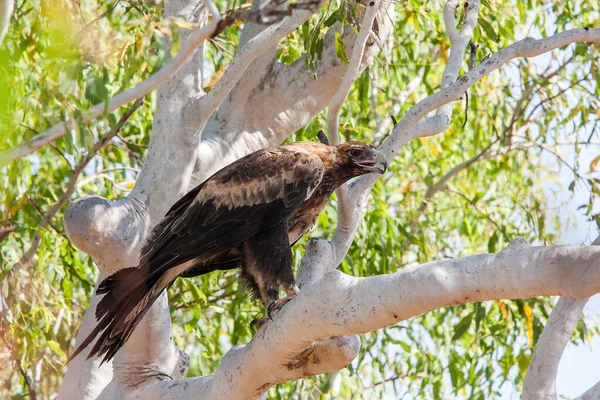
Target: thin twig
561,92
32,394
96,19
130,143
5,230
353,71
474,205
44,216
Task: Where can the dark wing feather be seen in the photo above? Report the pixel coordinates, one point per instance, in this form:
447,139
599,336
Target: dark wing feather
245,198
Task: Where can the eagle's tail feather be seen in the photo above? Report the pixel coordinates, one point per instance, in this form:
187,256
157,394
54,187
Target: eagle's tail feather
128,295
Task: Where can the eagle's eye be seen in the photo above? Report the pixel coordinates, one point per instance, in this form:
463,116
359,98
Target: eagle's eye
355,152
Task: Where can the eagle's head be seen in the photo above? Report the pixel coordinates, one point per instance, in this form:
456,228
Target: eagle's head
361,158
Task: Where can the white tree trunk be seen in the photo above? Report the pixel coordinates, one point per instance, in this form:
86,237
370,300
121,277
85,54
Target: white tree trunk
112,232
315,332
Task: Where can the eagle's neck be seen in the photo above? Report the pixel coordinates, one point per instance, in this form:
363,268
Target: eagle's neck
336,172
333,179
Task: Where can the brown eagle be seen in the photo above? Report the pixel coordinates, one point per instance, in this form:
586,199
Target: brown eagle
248,213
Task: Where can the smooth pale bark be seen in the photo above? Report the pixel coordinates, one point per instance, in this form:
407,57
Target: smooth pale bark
340,305
540,381
112,232
315,332
276,100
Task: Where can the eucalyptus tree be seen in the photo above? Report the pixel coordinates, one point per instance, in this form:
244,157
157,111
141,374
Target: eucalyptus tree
423,282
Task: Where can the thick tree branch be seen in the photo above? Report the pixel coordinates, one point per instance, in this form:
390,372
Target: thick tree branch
540,381
408,128
592,393
272,100
203,107
413,125
352,73
335,105
340,305
459,41
344,234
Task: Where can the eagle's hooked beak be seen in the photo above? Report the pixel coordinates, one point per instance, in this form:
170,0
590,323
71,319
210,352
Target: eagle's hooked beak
381,163
378,165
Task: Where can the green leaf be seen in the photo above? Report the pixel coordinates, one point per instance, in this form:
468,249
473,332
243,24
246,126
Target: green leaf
477,197
55,347
405,233
462,326
95,89
197,294
305,34
487,4
340,48
488,28
405,346
492,242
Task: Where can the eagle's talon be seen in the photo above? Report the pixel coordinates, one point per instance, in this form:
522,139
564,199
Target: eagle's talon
257,323
270,310
278,305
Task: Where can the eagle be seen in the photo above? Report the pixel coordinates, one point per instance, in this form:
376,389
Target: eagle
247,214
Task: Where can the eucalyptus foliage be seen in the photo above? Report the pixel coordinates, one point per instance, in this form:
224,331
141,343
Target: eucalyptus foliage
61,57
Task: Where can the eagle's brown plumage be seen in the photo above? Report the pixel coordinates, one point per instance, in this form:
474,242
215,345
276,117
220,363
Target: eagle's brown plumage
248,214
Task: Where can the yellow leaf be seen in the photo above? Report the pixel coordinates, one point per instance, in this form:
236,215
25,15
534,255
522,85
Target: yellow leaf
443,51
594,164
182,23
529,316
503,308
434,149
406,187
164,29
484,78
213,81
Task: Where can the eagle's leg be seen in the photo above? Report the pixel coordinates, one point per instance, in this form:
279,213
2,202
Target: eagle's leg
267,264
277,305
